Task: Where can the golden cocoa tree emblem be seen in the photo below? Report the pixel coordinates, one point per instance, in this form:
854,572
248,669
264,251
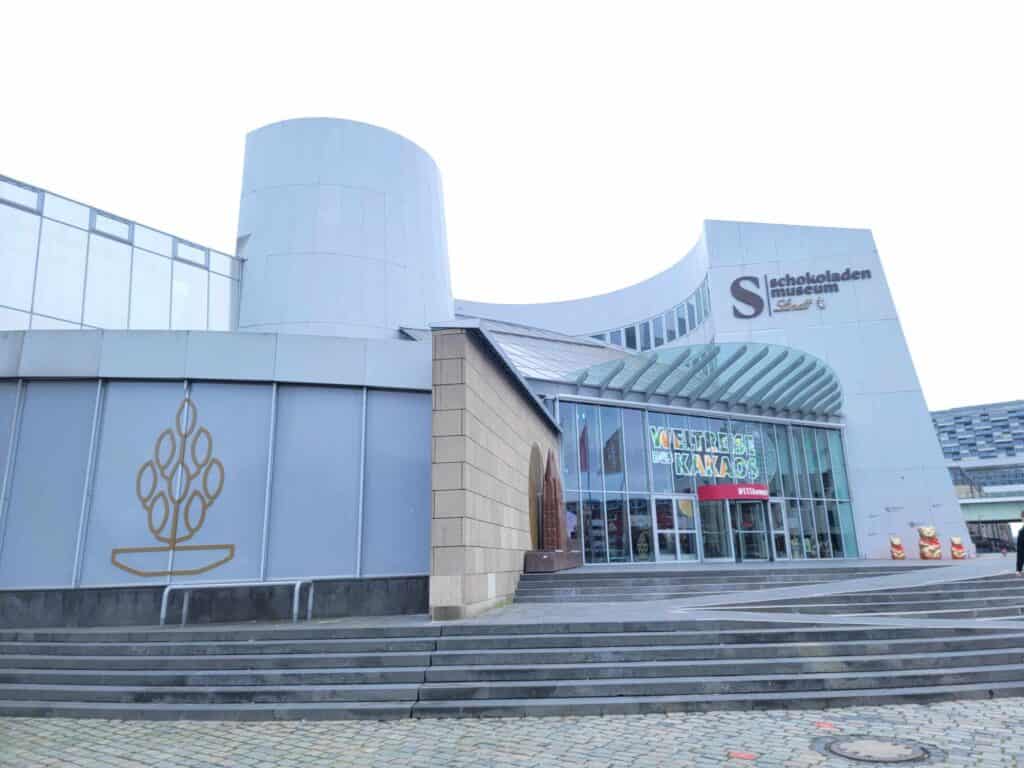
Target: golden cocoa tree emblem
177,487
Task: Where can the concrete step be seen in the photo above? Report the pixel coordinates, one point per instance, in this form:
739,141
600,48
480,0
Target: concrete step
369,645
878,663
635,705
213,677
711,685
222,633
334,710
238,694
227,662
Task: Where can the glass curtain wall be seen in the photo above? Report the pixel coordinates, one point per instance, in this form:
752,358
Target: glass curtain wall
66,265
618,462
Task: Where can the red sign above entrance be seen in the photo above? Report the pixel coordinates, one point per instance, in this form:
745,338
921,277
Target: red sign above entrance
733,491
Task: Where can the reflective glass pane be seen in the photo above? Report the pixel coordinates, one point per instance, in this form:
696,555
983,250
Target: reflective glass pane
220,303
188,297
65,210
682,467
19,194
691,315
810,538
630,337
112,226
636,451
221,262
570,446
60,277
799,464
595,543
796,538
664,521
715,530
835,533
822,526
19,231
107,283
572,520
688,545
151,291
850,548
616,338
640,529
658,324
772,471
13,320
811,458
154,241
681,320
684,515
660,445
612,453
838,459
824,464
589,431
670,327
789,485
716,445
645,337
190,253
615,512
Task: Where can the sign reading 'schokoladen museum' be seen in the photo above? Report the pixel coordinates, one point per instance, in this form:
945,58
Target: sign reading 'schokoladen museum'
752,297
730,455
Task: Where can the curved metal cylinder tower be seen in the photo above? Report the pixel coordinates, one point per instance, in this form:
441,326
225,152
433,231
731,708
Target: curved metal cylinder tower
342,228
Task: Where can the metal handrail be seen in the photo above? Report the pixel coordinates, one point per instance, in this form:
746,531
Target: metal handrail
296,589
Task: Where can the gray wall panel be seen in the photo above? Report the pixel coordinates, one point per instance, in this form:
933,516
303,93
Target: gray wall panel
132,418
315,491
8,402
47,484
238,419
396,523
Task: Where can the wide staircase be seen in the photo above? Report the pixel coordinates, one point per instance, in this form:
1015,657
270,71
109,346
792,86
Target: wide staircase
419,669
629,584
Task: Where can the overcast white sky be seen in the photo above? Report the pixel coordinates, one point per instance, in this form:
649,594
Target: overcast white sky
580,144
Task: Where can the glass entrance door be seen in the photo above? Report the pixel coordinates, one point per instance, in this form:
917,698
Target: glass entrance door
715,530
676,528
750,530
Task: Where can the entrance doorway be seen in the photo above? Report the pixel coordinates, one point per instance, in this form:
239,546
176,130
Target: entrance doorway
750,530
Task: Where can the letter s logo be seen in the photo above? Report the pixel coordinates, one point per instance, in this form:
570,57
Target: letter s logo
743,294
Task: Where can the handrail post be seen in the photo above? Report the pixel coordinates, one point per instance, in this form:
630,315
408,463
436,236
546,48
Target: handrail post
295,601
163,605
309,601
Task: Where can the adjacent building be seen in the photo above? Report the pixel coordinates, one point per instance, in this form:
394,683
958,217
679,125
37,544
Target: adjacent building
317,410
984,449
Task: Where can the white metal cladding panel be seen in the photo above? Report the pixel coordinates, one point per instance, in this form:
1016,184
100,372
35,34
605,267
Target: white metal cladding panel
41,523
238,418
315,489
133,415
8,403
396,524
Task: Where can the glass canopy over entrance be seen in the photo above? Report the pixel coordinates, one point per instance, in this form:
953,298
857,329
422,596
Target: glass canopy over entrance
648,486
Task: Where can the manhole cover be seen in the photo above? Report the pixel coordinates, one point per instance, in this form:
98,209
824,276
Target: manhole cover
872,749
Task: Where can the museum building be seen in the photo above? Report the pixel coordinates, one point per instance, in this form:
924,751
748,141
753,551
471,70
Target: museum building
315,416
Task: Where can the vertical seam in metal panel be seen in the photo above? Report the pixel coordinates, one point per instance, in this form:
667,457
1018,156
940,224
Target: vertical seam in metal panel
85,279
362,485
265,543
90,470
131,274
12,445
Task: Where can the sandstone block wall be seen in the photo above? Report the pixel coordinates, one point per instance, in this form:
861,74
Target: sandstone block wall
484,426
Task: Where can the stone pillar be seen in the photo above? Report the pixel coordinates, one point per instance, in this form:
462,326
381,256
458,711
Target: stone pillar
485,425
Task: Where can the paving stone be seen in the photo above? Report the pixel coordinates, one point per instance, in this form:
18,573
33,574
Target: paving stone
973,733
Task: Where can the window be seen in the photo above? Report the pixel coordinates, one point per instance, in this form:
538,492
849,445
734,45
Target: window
151,291
645,336
670,326
64,210
658,324
112,226
154,241
18,233
107,283
192,253
19,194
220,303
691,315
61,273
616,338
188,297
630,337
681,320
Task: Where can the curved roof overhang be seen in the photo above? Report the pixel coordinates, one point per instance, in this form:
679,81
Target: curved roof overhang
744,376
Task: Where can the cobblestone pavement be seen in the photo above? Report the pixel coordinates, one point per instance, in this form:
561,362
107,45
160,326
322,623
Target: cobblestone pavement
973,733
